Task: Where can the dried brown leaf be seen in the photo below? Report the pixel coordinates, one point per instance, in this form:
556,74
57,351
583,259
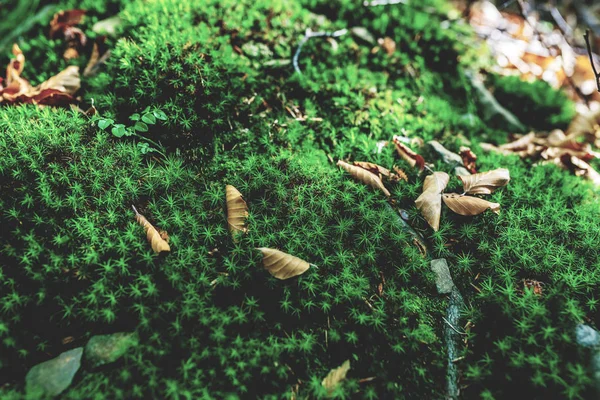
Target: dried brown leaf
468,205
469,159
585,125
156,241
430,201
335,376
57,90
400,173
67,81
485,182
282,265
388,45
237,211
522,143
580,168
98,57
373,168
412,158
364,176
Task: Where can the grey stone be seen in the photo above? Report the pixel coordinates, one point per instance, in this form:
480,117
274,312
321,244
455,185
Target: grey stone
106,349
443,279
587,336
52,377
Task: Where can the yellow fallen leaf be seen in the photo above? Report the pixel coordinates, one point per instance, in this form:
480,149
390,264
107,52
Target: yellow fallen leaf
430,201
282,265
335,376
364,176
485,182
468,205
237,211
154,237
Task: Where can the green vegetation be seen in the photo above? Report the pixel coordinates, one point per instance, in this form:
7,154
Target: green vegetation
211,322
536,103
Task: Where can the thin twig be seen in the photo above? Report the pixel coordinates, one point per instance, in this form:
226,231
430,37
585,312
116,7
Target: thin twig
310,34
589,49
453,328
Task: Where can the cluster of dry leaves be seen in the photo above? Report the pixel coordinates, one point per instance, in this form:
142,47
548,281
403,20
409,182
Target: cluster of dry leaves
279,264
56,91
523,46
571,150
60,89
430,201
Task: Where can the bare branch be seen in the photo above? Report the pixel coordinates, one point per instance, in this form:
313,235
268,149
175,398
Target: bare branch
589,49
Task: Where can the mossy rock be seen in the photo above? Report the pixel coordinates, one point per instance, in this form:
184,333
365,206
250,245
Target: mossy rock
106,349
52,377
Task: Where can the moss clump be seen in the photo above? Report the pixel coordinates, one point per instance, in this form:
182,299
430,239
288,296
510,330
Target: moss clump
211,322
536,103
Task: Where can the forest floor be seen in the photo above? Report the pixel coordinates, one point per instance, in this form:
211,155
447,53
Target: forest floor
298,199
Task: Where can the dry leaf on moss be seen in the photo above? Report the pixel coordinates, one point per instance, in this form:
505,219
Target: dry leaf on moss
400,174
412,158
282,265
430,201
237,211
56,91
468,205
98,57
364,176
154,237
580,168
63,24
468,158
485,182
372,167
587,126
335,376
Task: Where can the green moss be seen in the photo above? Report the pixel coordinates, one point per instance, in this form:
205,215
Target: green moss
211,322
536,104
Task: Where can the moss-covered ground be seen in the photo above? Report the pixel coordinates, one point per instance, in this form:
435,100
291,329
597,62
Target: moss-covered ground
212,323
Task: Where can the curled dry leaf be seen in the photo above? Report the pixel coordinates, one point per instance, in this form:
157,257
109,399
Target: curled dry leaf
237,211
536,286
468,205
154,237
335,376
63,24
374,168
282,265
364,176
580,168
412,158
56,91
400,173
469,159
485,182
388,45
430,201
98,57
587,126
